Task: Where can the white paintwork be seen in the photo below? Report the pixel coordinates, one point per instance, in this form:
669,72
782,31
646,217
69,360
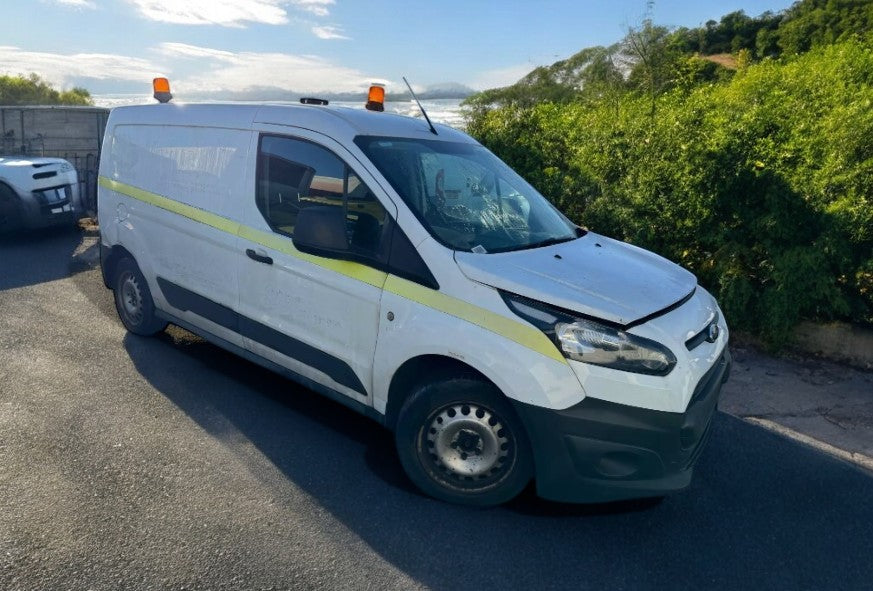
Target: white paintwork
519,372
673,391
329,311
204,167
592,275
348,318
17,172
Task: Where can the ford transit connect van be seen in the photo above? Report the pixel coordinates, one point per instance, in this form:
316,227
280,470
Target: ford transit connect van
410,274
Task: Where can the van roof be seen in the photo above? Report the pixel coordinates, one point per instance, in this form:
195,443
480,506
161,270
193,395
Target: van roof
341,123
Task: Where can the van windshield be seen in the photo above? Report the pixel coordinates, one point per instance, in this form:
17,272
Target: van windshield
466,197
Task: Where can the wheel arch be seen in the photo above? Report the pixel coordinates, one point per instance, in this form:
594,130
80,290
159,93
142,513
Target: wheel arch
421,369
417,391
110,262
13,194
10,206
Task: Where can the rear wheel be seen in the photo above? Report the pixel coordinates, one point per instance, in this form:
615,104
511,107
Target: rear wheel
133,300
460,441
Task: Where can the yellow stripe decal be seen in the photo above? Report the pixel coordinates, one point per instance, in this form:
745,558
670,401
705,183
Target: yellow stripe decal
283,244
522,334
194,213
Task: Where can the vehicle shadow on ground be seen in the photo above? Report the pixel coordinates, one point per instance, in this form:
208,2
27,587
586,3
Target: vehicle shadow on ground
762,511
38,256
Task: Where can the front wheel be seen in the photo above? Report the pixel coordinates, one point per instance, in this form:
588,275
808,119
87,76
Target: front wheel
460,441
133,300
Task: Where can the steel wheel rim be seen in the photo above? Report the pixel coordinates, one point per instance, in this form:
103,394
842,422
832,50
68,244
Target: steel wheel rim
467,446
131,298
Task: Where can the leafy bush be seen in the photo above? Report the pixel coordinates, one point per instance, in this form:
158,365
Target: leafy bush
761,185
33,90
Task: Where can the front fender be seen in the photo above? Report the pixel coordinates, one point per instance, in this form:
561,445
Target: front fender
520,373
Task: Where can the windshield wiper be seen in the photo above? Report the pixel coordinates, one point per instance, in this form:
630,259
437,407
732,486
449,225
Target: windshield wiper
542,243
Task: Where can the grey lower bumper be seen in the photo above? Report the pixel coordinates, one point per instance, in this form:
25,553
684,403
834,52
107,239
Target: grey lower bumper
600,451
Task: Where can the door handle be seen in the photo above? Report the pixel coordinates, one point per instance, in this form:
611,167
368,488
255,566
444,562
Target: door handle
261,258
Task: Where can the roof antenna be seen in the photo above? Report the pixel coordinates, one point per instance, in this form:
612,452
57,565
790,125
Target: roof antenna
423,112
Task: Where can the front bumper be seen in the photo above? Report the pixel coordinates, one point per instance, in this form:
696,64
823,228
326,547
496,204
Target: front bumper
47,220
59,211
598,451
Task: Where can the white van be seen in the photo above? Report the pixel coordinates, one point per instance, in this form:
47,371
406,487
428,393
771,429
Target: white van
410,274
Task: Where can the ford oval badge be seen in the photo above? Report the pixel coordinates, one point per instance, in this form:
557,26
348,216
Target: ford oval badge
712,333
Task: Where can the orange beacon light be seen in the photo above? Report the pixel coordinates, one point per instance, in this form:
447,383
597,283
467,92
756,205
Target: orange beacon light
376,98
161,87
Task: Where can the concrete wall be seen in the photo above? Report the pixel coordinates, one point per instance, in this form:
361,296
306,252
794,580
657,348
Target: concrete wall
836,340
72,133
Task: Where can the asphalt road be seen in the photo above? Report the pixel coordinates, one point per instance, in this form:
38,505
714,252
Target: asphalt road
165,463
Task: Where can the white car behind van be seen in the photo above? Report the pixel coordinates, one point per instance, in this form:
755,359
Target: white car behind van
410,274
37,192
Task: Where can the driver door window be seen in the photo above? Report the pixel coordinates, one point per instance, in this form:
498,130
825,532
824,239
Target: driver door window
294,174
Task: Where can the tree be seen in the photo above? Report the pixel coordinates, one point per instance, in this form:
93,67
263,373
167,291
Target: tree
652,59
589,74
33,90
811,23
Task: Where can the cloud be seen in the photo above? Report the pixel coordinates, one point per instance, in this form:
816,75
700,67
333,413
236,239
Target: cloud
316,7
76,3
329,32
226,13
196,71
220,71
193,51
66,70
501,76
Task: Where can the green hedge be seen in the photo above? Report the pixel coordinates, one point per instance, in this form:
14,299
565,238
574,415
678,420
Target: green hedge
762,186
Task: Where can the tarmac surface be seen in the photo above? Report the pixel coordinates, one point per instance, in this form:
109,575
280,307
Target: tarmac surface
166,463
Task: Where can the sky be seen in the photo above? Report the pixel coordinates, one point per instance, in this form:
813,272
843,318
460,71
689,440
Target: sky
221,47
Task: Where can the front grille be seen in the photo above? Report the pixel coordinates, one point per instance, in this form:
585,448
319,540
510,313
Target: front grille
703,335
54,200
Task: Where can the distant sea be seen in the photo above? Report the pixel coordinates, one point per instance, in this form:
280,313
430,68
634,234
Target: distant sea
446,111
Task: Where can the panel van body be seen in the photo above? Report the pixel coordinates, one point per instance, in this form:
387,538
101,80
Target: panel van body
416,278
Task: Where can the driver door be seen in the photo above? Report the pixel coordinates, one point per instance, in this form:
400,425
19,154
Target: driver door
317,316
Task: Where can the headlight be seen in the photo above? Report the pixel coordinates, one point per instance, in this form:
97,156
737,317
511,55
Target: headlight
589,341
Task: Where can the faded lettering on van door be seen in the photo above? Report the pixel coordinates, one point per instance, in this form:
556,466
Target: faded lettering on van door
202,167
197,166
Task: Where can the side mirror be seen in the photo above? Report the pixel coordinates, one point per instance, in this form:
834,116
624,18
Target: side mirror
321,230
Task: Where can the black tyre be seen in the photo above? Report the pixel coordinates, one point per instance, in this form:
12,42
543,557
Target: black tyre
133,300
460,441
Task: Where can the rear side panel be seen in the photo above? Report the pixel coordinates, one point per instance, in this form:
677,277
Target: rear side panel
176,192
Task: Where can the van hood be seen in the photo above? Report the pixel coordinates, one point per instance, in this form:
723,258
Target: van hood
34,161
593,275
